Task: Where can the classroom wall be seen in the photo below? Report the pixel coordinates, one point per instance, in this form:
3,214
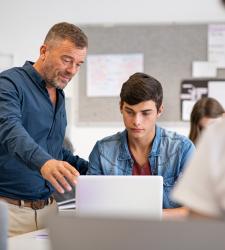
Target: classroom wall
24,24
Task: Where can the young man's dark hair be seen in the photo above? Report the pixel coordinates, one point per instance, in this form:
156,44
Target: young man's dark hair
141,87
67,31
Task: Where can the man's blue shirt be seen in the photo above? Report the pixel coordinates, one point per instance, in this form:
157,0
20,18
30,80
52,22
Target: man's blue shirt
31,132
168,157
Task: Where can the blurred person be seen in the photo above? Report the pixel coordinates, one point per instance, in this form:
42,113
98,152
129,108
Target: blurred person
202,185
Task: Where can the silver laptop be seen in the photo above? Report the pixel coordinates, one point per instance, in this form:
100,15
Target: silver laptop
119,196
81,233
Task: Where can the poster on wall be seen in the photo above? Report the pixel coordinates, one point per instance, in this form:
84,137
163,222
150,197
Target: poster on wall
107,72
193,90
216,89
216,44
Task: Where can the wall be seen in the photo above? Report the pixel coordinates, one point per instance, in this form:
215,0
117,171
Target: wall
24,23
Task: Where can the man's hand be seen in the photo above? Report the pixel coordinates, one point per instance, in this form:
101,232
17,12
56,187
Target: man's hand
55,172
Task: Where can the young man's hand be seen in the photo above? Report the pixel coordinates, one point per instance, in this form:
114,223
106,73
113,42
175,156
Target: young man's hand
58,173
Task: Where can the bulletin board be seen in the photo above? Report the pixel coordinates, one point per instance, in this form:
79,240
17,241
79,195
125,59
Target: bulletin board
168,50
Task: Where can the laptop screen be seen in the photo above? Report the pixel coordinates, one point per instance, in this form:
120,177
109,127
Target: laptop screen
120,196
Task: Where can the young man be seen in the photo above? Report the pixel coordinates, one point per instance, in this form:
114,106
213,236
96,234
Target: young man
202,186
33,121
143,148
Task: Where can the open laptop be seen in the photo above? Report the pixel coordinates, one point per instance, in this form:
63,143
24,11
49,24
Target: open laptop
120,196
82,233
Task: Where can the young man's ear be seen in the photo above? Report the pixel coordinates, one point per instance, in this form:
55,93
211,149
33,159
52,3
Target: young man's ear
121,107
160,110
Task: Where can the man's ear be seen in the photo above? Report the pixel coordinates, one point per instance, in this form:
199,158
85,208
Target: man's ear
43,50
161,108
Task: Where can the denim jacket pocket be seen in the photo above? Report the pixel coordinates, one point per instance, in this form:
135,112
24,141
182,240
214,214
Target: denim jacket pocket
113,168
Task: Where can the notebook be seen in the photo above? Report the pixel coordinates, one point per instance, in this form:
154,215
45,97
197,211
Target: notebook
120,196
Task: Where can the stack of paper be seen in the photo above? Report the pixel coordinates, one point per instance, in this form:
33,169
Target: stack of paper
67,204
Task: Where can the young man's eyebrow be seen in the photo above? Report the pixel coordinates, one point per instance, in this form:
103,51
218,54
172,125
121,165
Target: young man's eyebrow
144,110
128,108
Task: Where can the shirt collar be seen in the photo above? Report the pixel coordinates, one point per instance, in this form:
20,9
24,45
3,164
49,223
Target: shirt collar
33,74
124,153
36,77
156,141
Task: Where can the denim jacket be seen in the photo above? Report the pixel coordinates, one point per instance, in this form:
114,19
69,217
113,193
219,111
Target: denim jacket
169,154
